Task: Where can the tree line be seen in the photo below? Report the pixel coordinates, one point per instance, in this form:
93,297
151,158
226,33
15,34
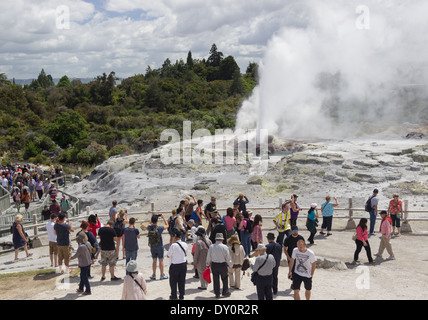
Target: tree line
85,123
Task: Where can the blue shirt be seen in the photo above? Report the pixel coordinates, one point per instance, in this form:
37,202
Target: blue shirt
327,209
131,240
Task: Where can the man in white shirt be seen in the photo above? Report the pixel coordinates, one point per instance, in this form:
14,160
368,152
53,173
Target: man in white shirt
53,248
305,263
218,257
178,266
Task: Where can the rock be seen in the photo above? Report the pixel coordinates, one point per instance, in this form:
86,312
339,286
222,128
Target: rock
415,135
328,263
255,180
201,187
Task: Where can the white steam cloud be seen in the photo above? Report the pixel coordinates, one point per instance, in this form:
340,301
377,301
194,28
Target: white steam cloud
348,69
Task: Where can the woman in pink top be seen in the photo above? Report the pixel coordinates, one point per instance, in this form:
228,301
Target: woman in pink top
362,241
256,235
230,223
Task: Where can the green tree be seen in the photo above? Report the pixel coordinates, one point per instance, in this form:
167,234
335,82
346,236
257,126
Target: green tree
215,57
189,60
67,128
237,86
64,82
228,66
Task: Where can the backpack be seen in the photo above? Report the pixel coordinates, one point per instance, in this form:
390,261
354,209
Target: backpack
248,228
368,206
171,223
153,236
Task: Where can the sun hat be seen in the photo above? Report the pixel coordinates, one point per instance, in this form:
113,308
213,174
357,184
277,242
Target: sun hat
219,236
132,266
261,246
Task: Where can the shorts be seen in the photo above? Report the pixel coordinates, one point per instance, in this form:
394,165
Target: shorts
64,253
157,252
108,257
297,281
53,248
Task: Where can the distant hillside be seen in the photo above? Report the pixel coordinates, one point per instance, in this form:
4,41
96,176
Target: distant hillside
77,121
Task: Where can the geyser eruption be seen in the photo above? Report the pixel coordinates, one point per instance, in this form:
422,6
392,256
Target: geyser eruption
343,70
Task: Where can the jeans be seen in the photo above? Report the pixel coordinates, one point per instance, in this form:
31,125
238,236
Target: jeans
246,242
84,278
220,271
372,220
130,255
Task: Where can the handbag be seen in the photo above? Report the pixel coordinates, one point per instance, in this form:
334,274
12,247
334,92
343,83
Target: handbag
207,275
255,274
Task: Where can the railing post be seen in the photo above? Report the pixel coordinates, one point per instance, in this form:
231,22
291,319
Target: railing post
351,223
152,205
405,226
36,232
280,203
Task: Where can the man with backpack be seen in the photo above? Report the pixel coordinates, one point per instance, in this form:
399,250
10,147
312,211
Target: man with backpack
371,207
156,244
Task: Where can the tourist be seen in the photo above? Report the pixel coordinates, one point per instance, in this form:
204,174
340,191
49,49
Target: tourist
120,219
294,210
256,232
217,227
395,211
263,266
46,213
32,187
282,223
19,238
198,213
156,245
241,202
373,202
25,199
171,225
108,251
63,229
84,225
290,243
275,249
131,234
218,258
113,209
52,191
385,230
311,222
210,212
94,225
53,247
245,229
16,196
237,255
177,254
83,255
39,188
303,262
362,241
64,204
200,256
188,207
55,208
230,223
134,284
327,211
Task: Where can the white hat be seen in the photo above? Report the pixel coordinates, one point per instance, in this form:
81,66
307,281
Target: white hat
219,236
132,266
261,246
313,205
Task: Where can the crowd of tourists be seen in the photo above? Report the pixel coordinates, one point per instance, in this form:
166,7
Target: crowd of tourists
222,245
29,183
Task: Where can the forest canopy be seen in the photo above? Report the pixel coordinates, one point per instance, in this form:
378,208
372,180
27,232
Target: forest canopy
85,123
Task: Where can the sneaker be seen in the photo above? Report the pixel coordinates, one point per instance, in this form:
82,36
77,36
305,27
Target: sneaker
163,277
152,277
102,278
390,258
115,278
